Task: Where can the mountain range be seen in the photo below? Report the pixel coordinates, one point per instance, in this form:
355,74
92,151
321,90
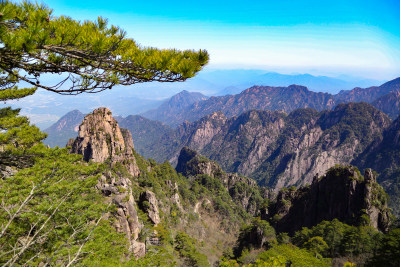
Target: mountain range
276,149
284,99
124,101
167,111
300,165
205,203
306,134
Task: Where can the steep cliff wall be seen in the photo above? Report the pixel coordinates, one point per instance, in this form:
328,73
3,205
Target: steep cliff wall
100,139
342,193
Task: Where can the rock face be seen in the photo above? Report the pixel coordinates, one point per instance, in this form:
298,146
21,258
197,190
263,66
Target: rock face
280,150
118,191
100,138
190,164
343,193
151,206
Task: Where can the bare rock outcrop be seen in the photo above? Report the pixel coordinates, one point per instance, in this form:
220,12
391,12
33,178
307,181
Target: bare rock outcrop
100,139
343,194
191,163
149,204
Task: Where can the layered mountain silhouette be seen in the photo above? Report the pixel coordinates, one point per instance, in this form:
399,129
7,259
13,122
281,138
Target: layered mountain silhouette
278,98
168,111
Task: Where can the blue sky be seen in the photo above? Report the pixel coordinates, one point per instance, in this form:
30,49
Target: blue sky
320,37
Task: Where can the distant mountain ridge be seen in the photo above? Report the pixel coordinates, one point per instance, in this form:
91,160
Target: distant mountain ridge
166,112
144,132
314,83
284,99
65,128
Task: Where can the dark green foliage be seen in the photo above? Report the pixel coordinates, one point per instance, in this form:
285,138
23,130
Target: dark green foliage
15,132
187,248
259,234
205,186
388,252
293,256
54,207
341,239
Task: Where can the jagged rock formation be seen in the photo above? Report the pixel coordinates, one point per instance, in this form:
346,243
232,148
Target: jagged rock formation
118,191
100,139
342,193
271,98
151,206
281,150
191,164
389,103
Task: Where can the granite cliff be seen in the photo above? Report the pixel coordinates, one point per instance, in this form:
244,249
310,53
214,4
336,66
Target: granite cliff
342,193
244,191
100,139
278,149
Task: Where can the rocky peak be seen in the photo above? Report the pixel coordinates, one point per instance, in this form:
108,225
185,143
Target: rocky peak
101,139
191,164
342,193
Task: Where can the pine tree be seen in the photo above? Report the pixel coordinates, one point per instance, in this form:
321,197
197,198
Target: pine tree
91,56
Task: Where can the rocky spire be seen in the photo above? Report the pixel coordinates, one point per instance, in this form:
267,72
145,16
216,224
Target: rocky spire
101,139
